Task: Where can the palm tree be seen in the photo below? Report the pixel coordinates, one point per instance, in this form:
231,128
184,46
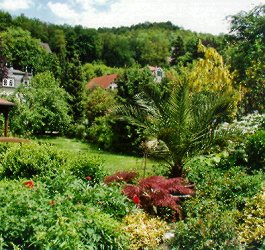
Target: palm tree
184,122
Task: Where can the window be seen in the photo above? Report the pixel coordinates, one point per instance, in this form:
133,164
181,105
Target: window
5,82
159,73
11,83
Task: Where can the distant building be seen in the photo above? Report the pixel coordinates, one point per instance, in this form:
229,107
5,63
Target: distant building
46,46
157,72
13,80
109,81
105,82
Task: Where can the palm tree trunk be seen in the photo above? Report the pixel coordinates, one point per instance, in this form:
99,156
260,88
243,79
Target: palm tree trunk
176,170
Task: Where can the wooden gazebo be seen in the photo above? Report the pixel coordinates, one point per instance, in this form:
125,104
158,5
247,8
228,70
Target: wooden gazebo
5,107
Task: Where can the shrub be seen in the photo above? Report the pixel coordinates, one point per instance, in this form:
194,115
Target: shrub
31,159
33,219
255,149
156,193
101,133
86,168
252,229
145,232
4,147
108,199
214,230
229,188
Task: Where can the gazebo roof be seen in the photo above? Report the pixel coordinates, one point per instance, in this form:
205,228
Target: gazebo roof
4,102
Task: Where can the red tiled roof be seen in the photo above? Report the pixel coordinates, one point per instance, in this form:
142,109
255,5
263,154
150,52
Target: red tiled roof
102,81
4,102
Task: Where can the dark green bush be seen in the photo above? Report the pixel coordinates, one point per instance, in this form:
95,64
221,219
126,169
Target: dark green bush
33,219
255,149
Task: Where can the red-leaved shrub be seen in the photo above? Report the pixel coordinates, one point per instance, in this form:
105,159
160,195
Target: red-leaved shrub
157,194
121,177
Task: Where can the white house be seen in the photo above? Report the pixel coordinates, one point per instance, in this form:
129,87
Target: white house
13,80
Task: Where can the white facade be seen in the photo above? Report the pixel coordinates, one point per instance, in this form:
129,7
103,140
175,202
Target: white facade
13,80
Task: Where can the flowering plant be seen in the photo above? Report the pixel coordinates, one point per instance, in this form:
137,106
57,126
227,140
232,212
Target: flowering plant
29,184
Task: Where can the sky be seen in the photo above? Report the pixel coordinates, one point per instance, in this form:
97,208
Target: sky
207,16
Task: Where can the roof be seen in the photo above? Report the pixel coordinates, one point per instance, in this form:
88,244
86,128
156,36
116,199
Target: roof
153,68
12,71
102,81
46,46
4,102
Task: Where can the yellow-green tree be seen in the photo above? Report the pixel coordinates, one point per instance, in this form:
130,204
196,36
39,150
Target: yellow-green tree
210,74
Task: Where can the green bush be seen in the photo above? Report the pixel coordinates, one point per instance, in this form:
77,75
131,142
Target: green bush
215,230
229,188
255,149
42,160
31,159
4,147
86,167
108,199
212,215
33,219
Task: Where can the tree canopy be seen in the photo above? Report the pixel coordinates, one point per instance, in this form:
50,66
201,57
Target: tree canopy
41,108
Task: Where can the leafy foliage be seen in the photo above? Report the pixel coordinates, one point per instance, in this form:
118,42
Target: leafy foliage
41,107
184,122
246,55
252,228
86,167
32,160
108,199
255,150
98,102
32,219
157,192
29,160
73,83
214,230
145,232
227,187
22,50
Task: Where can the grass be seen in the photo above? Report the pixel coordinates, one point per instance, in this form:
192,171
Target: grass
112,162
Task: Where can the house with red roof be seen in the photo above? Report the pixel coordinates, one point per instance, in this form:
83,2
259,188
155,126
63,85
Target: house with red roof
105,82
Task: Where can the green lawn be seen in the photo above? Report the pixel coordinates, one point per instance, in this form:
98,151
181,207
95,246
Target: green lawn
112,162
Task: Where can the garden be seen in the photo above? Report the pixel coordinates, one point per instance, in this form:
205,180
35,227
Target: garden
57,198
176,164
